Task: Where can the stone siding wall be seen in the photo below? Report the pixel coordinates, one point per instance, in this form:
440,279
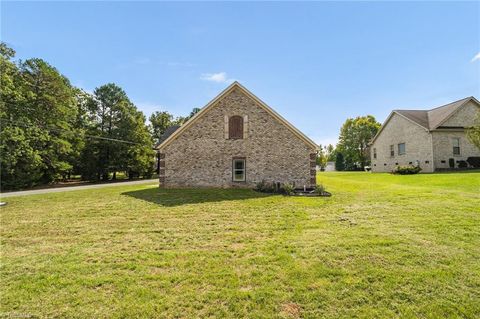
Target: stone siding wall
202,155
418,146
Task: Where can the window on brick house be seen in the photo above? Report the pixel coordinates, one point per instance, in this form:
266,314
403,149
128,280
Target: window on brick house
238,170
401,149
235,127
392,151
375,153
456,146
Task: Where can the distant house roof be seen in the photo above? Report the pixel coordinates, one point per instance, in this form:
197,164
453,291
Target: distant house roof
429,119
432,119
169,131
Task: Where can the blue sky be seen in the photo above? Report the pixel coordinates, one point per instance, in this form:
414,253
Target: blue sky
314,63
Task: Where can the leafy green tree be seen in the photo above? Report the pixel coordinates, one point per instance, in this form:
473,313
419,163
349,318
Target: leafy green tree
194,111
355,135
330,153
321,157
181,119
159,122
20,162
48,103
339,162
37,111
122,141
473,133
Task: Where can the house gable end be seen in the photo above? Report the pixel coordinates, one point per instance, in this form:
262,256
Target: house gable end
257,101
462,117
388,120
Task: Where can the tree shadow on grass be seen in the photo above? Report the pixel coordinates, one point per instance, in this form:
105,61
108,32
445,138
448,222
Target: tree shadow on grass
178,197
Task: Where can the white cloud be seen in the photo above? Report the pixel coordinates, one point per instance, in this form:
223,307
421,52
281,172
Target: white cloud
220,77
477,57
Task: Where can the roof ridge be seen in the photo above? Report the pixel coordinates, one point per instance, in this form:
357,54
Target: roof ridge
410,110
438,107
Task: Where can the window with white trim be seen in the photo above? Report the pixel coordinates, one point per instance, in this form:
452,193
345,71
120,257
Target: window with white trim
238,170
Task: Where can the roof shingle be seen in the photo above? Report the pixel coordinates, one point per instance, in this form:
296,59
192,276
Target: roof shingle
431,119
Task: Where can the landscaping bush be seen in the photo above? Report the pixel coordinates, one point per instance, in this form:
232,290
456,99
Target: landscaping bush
406,170
474,161
319,189
287,189
265,187
462,164
451,163
274,188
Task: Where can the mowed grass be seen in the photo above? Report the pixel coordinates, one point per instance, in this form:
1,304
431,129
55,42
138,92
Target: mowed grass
382,246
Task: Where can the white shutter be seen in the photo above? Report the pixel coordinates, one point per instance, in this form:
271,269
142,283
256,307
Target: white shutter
226,126
245,126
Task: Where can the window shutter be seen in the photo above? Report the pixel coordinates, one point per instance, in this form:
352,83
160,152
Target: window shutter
245,126
235,127
226,126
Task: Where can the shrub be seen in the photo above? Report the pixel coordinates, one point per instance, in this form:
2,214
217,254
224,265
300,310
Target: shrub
339,162
274,188
406,170
265,187
319,189
287,189
451,163
474,161
462,164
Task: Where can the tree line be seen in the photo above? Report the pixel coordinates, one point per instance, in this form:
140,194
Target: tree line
51,130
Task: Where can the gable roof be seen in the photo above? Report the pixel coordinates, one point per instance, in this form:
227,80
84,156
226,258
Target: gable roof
429,119
432,119
262,104
440,115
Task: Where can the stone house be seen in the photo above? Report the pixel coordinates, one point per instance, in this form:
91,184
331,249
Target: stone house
432,139
236,140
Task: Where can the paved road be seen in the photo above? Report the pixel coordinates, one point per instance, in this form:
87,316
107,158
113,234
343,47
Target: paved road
74,188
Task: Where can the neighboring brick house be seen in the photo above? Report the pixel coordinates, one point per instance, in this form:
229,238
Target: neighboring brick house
236,140
433,139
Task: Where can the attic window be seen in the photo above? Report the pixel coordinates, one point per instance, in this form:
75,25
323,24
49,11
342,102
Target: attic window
235,127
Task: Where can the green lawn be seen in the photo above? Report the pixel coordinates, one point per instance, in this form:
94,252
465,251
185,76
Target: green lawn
382,246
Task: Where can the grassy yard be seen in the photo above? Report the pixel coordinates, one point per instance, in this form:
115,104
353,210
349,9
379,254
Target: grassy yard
381,246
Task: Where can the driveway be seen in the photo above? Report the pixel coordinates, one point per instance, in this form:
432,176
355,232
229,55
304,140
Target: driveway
75,188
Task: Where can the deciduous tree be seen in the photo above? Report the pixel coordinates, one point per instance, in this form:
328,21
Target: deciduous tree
473,133
355,135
